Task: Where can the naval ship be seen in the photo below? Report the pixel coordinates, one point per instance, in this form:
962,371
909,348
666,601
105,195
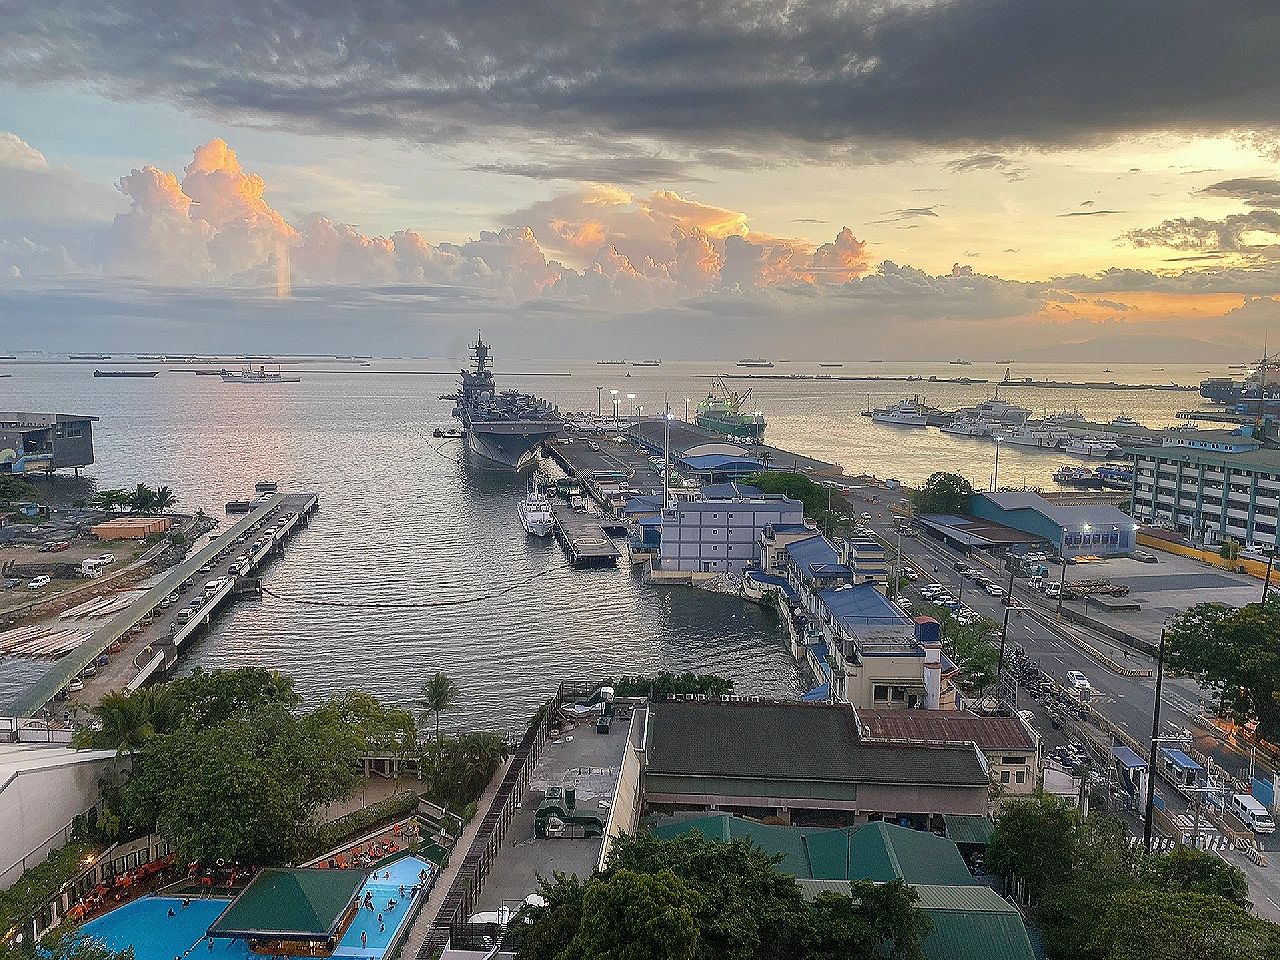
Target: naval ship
504,430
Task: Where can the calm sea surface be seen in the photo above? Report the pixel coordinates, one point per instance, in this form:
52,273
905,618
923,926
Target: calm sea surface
402,521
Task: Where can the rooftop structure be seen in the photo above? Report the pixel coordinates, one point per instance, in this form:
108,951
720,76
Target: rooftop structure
283,904
800,762
1240,440
44,442
720,533
1209,495
1075,530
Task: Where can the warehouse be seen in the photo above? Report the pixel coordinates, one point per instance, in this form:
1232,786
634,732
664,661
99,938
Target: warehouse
1074,531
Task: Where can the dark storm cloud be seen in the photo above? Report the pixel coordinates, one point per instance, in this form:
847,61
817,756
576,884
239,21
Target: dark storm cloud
621,170
722,73
1254,191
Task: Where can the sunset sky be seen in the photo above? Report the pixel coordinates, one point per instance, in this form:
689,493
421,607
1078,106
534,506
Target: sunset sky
1077,180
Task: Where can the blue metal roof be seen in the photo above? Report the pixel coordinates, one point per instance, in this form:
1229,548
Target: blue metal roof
787,589
730,491
818,694
815,551
1127,758
1180,759
861,602
646,504
721,462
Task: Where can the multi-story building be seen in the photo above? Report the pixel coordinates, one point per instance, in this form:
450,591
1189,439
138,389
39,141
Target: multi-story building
44,442
1209,495
720,532
865,556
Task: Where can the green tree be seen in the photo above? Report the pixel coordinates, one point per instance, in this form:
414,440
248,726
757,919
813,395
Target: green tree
457,769
973,646
752,910
381,728
438,695
15,489
165,499
1197,871
112,499
1229,550
142,499
628,915
875,921
551,926
205,698
797,486
125,721
1235,652
943,493
1154,924
1034,840
73,947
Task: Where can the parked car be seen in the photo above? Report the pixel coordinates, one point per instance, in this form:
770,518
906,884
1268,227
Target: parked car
76,685
39,583
107,558
170,600
994,589
1142,556
11,582
1078,681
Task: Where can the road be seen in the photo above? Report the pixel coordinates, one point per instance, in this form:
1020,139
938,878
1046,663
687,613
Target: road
1127,701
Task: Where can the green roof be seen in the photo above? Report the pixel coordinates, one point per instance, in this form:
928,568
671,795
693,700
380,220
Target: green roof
968,828
874,851
972,922
290,904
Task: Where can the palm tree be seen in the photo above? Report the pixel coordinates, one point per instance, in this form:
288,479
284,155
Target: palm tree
439,694
112,499
165,499
125,722
142,499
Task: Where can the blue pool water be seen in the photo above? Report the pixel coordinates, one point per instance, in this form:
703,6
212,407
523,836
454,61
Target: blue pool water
146,925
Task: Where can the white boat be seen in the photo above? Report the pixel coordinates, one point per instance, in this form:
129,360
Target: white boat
907,413
997,411
1124,422
969,427
1093,448
261,375
1067,416
1040,436
535,513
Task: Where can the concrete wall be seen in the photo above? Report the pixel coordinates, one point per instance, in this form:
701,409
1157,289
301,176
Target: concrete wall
37,804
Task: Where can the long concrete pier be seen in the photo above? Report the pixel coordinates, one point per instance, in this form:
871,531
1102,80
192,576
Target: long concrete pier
145,630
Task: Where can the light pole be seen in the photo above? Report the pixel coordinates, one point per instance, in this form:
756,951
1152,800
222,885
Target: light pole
1062,579
995,474
666,463
632,398
613,395
1004,633
600,402
1155,734
686,409
1266,584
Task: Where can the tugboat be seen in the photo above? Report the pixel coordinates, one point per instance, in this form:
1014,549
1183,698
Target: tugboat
722,412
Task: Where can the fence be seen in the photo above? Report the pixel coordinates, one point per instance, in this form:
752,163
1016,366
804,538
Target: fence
469,881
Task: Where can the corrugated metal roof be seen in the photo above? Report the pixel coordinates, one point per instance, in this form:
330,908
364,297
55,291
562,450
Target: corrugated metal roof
968,828
718,461
1127,758
772,580
1180,759
972,922
1073,515
290,903
947,726
730,491
863,603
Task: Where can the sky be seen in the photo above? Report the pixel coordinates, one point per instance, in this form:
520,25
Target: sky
1058,180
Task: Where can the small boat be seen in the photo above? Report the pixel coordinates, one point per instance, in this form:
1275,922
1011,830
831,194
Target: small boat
89,356
961,363
646,363
821,364
261,375
907,413
754,362
535,513
126,373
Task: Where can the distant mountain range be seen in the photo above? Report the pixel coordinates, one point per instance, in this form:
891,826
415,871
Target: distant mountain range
1132,348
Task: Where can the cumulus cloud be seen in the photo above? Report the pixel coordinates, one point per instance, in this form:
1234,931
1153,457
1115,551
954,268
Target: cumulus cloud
1256,232
1254,191
959,73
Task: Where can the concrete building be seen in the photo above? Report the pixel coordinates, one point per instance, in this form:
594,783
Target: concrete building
803,764
865,556
1240,440
1010,744
720,532
1078,530
44,442
1209,495
42,789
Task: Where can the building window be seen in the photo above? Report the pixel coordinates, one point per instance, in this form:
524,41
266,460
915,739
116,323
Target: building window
1013,761
899,695
880,692
1021,776
1004,776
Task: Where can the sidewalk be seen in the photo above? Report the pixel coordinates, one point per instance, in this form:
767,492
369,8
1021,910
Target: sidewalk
426,917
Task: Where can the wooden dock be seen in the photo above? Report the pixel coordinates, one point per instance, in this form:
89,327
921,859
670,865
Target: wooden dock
583,539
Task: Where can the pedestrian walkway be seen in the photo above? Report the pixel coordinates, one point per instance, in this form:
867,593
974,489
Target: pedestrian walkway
426,918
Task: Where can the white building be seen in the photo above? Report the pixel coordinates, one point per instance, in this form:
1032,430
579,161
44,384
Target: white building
720,532
42,789
1209,495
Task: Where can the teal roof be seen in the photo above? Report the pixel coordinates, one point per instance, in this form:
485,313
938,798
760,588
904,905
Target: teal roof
968,828
972,922
291,904
875,851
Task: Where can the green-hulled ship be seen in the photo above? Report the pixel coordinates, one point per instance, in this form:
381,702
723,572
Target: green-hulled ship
722,412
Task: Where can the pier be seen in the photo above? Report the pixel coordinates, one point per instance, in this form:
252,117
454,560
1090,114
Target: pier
150,631
583,539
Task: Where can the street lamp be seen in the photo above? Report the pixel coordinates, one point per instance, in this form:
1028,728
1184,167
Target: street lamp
1004,633
600,402
632,398
1266,584
995,474
1155,734
686,409
613,395
639,413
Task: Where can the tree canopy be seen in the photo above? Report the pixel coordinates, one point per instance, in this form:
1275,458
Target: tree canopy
943,493
742,907
1235,652
1097,897
667,684
797,486
971,646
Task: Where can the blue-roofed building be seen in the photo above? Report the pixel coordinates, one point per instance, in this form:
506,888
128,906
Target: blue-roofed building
1074,530
812,564
866,558
1179,767
730,491
718,467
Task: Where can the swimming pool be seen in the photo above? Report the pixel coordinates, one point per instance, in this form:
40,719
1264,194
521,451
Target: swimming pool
146,926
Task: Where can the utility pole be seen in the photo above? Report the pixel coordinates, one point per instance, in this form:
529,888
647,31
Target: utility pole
995,474
666,456
1155,734
1266,584
600,402
1004,633
1062,579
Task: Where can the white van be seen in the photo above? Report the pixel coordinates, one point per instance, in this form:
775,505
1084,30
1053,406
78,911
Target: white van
1052,589
213,586
1252,813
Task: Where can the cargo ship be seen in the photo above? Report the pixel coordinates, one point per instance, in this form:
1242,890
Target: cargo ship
722,412
125,373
